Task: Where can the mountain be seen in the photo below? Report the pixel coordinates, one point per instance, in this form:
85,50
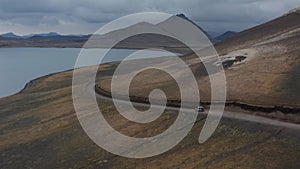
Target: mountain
53,39
142,41
50,34
10,35
207,34
225,35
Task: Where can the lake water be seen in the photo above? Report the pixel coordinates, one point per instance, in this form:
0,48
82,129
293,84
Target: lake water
20,65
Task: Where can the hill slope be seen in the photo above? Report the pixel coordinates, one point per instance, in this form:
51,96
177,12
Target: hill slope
39,129
270,73
262,68
275,30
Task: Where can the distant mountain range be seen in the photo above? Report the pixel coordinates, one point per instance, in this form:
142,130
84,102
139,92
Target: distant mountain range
11,35
53,39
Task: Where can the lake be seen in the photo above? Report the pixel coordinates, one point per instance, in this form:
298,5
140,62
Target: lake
20,65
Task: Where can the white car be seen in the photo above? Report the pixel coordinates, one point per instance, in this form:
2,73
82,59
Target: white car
199,109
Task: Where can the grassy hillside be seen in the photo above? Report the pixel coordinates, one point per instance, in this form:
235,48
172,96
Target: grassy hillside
39,129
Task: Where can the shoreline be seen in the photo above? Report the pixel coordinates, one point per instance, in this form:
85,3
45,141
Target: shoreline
35,81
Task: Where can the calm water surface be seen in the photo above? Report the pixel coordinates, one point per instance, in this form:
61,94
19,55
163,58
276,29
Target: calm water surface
20,65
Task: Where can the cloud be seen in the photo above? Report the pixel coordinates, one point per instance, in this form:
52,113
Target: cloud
74,16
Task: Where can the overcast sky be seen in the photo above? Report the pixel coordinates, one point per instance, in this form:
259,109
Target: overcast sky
86,16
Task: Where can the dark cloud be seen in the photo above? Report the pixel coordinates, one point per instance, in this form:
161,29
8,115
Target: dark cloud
72,16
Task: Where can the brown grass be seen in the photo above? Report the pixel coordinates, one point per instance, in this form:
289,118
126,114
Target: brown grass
53,137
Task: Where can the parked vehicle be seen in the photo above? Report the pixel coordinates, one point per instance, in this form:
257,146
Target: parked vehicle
199,109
